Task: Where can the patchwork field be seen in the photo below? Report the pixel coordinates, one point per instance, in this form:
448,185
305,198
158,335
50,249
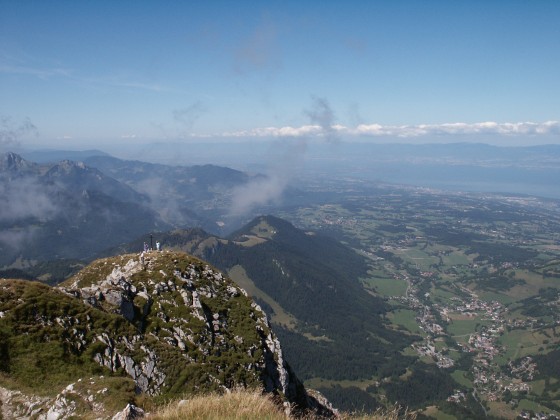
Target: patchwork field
479,286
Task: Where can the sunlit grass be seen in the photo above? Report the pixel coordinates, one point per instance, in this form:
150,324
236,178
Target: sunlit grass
252,404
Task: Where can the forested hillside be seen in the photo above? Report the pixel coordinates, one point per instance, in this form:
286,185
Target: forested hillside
330,326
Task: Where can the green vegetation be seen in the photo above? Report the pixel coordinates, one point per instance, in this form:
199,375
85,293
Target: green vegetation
405,318
47,341
386,286
426,386
478,273
464,327
48,338
461,377
35,348
450,250
350,398
49,272
316,279
269,305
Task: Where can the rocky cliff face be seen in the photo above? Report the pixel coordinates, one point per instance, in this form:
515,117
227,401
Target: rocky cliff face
165,321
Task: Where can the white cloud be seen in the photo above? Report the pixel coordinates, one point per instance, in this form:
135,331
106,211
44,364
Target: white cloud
405,131
488,127
258,192
22,198
11,132
306,130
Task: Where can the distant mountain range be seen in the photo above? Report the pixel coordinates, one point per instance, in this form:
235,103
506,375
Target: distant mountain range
73,209
183,196
65,210
335,332
475,167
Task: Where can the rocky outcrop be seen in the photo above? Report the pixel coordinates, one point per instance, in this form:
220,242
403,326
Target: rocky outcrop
15,404
130,412
158,324
82,398
186,311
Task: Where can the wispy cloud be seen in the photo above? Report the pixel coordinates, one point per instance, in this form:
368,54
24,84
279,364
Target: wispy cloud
23,198
41,73
119,83
321,114
264,190
188,116
11,132
405,131
259,51
28,66
289,157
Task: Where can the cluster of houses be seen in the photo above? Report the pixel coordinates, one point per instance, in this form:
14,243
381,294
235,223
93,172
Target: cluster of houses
525,369
428,348
537,416
489,380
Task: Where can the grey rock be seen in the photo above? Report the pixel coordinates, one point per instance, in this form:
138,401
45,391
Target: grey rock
130,412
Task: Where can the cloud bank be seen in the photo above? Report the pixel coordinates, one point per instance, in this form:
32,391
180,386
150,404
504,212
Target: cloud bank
24,198
329,131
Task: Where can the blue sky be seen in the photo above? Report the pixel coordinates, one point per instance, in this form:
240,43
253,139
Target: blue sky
83,73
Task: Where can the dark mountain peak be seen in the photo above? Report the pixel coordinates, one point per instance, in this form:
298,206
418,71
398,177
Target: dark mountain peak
267,227
13,162
46,156
72,173
67,167
106,160
77,177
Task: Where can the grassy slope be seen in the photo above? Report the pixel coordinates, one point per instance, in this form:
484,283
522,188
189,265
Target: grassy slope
49,339
250,405
37,356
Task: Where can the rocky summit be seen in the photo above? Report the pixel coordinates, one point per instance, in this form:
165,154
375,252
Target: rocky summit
129,331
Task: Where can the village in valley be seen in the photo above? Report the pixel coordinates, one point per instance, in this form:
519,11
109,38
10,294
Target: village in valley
455,280
489,380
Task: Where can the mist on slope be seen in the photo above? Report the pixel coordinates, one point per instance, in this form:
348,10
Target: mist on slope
289,160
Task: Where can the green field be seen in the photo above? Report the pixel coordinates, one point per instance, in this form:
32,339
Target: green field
417,257
520,343
456,258
536,407
460,377
443,294
499,297
387,286
405,318
498,250
464,327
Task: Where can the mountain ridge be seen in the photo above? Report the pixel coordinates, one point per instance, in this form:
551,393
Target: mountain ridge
310,287
65,210
168,321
